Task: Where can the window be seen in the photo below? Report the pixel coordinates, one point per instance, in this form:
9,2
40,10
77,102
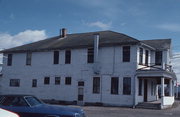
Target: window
146,57
46,80
90,55
14,83
140,56
126,54
81,83
158,57
68,80
67,56
9,60
127,86
57,80
34,83
56,57
140,87
96,84
28,58
114,85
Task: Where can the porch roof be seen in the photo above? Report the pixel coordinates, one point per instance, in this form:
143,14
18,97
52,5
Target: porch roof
156,73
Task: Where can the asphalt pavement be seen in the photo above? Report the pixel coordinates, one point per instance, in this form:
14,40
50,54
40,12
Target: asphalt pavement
94,111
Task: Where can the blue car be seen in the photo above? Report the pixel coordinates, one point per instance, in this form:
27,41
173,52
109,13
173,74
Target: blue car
30,106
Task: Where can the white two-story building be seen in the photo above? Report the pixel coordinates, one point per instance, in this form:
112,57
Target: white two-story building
102,67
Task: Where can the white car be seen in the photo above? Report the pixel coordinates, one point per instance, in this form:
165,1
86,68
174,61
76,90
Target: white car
5,113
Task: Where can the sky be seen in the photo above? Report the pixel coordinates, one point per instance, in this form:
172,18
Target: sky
26,21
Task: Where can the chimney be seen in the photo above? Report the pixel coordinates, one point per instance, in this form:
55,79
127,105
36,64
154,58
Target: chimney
63,32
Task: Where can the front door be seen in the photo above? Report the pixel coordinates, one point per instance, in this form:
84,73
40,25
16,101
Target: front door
145,90
80,97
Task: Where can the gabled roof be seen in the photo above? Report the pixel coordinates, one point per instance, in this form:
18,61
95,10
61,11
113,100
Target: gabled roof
78,40
159,44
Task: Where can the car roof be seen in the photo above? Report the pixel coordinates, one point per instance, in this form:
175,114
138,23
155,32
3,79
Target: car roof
15,95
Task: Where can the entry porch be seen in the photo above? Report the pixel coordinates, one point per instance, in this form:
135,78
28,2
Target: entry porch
155,86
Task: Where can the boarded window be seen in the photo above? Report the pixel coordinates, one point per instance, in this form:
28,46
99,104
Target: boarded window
140,56
96,84
90,55
140,87
56,57
127,86
34,83
9,59
158,57
28,58
146,57
126,53
57,80
14,83
67,56
47,80
68,80
114,85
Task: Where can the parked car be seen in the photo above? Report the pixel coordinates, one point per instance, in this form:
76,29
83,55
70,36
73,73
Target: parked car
30,106
6,113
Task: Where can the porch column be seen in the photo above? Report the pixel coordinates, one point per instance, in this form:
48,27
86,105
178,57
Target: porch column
162,87
157,95
170,87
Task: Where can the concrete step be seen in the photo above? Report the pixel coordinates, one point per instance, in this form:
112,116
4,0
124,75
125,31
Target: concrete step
146,105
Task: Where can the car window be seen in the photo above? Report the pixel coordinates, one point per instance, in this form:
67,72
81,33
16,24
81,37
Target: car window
14,101
33,101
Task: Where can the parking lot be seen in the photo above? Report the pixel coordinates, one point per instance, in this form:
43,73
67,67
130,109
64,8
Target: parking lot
93,111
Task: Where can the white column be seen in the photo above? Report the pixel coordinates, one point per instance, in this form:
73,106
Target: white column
162,87
157,96
170,87
162,92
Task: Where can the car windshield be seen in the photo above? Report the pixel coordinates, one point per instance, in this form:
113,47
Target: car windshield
32,101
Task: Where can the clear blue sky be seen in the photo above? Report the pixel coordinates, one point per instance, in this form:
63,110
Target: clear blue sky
142,19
